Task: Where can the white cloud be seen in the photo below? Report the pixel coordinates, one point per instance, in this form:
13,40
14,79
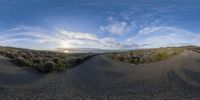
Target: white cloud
117,27
114,44
76,35
130,43
149,37
111,43
166,36
59,38
149,30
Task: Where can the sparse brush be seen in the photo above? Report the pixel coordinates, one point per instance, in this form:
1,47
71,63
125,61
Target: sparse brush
43,61
21,61
146,55
40,67
50,65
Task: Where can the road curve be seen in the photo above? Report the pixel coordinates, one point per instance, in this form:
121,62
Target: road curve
101,78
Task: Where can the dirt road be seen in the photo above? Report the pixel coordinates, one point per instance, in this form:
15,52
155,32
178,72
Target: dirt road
101,78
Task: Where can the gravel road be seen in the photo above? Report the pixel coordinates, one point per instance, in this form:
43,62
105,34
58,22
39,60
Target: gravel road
100,78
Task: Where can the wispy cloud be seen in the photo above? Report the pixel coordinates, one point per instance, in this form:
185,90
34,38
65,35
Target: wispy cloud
117,27
148,37
76,35
166,36
149,30
114,44
59,38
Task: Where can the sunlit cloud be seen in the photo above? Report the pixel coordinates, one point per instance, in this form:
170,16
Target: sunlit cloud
60,38
148,37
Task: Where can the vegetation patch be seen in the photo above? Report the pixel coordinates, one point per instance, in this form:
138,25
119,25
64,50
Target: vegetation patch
194,48
43,61
146,55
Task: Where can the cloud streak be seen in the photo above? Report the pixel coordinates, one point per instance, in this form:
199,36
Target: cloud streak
148,37
117,27
59,38
166,36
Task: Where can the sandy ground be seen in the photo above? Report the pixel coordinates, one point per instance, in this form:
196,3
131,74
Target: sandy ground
100,78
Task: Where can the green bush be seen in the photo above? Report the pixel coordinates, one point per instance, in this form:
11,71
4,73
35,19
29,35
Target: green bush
60,66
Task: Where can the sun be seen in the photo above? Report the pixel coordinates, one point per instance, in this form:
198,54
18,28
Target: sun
66,51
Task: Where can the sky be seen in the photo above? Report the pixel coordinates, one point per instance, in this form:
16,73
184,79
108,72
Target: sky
100,24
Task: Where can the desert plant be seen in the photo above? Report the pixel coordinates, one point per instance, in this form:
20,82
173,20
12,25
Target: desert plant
146,55
10,55
49,65
43,61
40,67
20,61
60,66
56,60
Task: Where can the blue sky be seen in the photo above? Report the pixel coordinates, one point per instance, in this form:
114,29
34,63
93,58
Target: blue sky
105,24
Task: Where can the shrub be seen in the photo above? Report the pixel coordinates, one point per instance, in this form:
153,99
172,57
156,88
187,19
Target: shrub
56,60
145,55
49,65
69,62
45,67
61,66
43,61
78,60
40,67
20,61
10,55
35,60
119,57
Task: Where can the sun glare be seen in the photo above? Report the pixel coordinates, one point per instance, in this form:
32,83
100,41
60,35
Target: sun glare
66,51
